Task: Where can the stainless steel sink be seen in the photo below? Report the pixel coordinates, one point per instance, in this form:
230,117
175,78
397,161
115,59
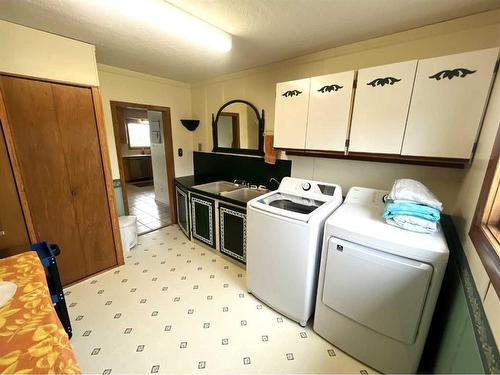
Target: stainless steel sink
244,194
217,187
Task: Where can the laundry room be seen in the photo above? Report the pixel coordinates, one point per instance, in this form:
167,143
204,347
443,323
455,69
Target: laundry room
249,187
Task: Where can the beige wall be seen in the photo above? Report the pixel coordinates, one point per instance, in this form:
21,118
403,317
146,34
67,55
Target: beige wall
32,53
465,207
458,189
127,86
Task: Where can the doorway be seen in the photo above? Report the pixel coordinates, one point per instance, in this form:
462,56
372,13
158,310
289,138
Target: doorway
143,140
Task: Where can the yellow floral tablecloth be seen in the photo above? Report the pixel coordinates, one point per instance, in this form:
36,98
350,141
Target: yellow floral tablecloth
32,340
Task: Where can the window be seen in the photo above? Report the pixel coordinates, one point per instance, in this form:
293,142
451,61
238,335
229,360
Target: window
138,134
485,228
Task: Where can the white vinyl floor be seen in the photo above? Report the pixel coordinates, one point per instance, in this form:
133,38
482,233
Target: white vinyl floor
177,307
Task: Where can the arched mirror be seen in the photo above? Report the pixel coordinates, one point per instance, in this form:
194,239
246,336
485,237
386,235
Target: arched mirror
238,127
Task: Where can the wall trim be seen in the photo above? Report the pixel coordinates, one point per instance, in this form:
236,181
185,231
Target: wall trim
141,76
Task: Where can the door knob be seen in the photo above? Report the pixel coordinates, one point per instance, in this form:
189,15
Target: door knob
2,233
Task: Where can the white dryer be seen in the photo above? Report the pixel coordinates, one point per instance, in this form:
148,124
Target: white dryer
378,284
284,237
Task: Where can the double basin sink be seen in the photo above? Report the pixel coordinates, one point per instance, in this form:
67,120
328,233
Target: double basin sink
231,190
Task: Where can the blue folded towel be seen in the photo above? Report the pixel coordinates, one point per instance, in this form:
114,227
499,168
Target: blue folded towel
398,208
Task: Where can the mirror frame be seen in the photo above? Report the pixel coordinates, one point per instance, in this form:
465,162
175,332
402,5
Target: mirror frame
260,119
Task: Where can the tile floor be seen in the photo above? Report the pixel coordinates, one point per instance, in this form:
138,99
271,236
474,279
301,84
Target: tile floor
150,213
177,307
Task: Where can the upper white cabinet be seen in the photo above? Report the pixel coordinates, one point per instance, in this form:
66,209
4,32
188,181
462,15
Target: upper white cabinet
381,107
329,111
449,98
290,116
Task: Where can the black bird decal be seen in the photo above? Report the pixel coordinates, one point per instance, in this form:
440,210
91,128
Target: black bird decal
383,81
290,93
330,88
458,72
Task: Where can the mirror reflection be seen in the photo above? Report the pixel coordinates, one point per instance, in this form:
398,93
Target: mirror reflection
238,127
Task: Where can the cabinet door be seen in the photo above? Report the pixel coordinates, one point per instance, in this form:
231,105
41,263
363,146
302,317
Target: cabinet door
329,111
290,116
181,198
448,103
233,232
380,108
203,219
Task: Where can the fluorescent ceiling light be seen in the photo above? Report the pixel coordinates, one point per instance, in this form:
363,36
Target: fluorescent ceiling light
174,21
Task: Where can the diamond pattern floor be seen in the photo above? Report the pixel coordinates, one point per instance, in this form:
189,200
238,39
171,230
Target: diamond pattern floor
176,307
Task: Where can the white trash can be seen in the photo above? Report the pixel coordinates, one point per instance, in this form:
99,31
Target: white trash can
128,231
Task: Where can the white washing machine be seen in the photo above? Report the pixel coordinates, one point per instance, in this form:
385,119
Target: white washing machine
378,284
284,236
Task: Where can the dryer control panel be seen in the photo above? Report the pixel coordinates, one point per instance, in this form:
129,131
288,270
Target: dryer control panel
310,189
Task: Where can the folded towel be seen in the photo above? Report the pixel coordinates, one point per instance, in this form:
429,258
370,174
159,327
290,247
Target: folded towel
413,224
407,208
411,190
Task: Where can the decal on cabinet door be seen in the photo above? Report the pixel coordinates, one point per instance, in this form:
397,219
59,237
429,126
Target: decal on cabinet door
458,72
383,81
291,93
330,88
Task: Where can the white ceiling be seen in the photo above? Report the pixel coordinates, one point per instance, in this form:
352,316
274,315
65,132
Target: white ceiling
263,31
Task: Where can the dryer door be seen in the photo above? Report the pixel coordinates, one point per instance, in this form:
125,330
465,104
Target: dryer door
381,291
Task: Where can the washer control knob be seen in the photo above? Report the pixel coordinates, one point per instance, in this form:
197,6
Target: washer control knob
306,186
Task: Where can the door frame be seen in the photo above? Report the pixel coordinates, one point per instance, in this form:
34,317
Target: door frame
169,150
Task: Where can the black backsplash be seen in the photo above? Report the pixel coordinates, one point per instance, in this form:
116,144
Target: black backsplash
254,170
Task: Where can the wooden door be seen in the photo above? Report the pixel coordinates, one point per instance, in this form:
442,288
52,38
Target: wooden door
13,233
55,138
329,111
448,102
290,116
80,144
380,108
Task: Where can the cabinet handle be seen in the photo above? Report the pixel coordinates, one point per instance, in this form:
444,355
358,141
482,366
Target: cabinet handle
450,74
383,81
330,88
291,93
2,233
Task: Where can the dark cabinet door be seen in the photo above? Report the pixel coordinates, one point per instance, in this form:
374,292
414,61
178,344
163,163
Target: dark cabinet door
233,231
181,197
139,168
203,219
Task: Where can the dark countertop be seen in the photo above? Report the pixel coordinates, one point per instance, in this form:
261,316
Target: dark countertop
188,182
137,156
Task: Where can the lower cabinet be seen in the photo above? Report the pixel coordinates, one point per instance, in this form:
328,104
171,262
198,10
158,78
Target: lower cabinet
182,200
233,231
203,219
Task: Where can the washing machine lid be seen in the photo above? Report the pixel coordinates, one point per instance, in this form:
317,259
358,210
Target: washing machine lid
381,291
359,220
289,205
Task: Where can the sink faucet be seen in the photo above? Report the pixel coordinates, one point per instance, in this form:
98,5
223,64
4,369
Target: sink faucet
272,179
240,182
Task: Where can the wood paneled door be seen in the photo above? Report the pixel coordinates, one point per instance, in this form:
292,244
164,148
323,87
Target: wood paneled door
56,142
13,232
